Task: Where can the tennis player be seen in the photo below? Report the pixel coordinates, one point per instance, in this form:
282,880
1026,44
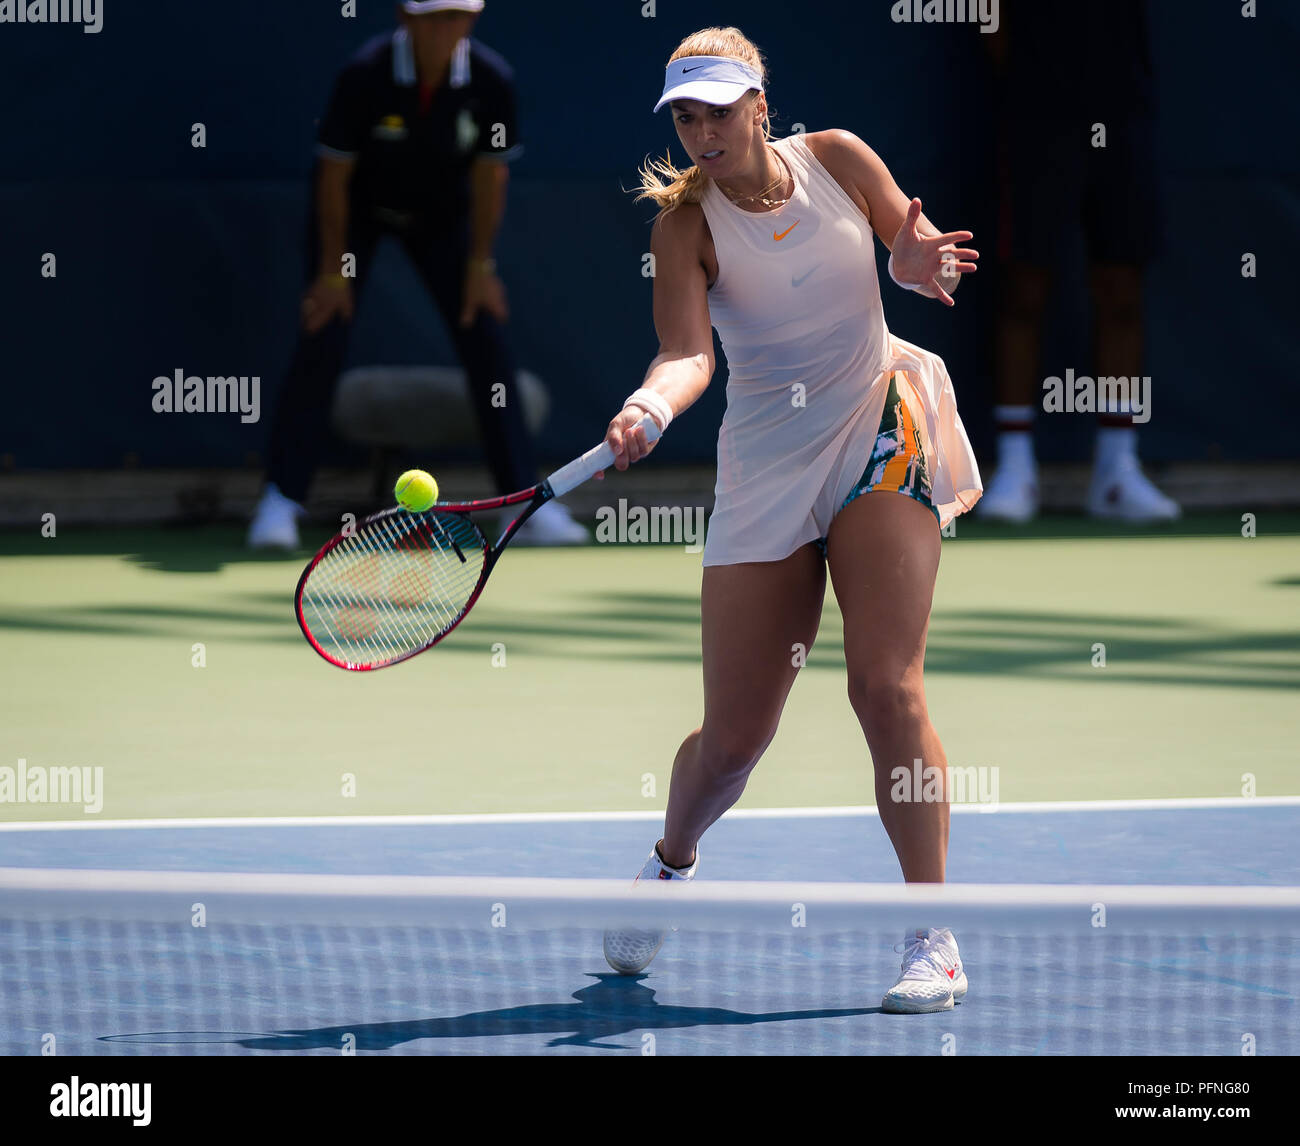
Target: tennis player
770,241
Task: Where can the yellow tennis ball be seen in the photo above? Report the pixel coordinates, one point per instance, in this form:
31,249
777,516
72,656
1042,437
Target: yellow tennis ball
416,491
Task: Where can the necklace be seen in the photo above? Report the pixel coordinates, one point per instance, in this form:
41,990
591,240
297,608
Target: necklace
761,196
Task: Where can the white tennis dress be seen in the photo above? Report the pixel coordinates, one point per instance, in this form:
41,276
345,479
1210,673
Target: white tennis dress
797,307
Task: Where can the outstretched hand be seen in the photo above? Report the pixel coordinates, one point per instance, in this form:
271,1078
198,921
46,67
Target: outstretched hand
929,260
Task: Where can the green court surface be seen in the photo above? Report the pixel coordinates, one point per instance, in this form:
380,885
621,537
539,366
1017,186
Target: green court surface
601,677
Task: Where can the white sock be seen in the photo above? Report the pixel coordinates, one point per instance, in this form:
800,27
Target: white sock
1016,450
1115,445
669,867
1015,437
1013,417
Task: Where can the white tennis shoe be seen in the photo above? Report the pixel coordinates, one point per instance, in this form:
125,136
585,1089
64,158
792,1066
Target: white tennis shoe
552,524
1121,491
275,521
630,952
933,978
1012,494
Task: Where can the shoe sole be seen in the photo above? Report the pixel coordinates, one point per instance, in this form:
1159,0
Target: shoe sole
904,1006
1018,517
627,968
916,1007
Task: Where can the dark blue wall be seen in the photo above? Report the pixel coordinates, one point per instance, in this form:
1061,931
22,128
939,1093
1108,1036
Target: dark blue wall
174,257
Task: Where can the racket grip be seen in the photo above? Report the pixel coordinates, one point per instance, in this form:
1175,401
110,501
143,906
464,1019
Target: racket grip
593,462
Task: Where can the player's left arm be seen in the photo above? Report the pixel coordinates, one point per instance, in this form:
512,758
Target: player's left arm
921,252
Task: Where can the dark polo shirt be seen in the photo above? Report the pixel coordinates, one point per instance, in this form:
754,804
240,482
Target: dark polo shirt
413,156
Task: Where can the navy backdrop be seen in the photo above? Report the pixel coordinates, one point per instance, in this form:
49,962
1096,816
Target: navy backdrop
175,257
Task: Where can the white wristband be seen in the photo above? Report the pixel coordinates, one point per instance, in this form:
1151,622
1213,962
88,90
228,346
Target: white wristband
656,405
905,286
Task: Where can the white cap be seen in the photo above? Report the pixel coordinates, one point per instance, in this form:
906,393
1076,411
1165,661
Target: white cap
420,7
711,79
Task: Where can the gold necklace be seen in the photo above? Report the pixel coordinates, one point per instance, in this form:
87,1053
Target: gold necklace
761,196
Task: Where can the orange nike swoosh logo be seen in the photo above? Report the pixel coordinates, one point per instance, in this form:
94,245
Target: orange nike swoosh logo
783,234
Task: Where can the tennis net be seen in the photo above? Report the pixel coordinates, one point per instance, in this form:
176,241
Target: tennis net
113,962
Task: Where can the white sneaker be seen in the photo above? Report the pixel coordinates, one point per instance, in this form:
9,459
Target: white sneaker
932,978
551,525
275,521
1121,491
1012,495
629,952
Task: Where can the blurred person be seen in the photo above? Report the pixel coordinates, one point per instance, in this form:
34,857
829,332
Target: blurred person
841,449
414,145
1059,72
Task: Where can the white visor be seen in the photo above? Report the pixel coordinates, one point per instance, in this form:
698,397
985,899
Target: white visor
710,79
420,7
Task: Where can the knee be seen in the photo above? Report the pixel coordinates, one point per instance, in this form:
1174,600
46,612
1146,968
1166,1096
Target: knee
729,755
886,707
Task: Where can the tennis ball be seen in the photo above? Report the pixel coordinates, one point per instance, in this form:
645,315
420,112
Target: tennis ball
416,491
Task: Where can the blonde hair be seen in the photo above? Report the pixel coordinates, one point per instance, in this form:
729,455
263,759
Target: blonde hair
661,181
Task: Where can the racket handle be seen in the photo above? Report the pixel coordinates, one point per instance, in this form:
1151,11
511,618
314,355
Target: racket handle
593,461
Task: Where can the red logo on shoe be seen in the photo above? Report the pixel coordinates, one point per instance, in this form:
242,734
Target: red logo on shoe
952,972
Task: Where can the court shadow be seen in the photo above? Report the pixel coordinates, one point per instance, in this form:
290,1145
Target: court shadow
208,547
662,628
613,1006
161,549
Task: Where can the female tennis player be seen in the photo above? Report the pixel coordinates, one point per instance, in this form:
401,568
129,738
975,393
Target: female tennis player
770,241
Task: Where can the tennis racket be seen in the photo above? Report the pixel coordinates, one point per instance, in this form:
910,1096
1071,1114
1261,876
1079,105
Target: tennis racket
399,582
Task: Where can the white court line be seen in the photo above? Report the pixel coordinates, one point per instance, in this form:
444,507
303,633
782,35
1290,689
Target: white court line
1174,804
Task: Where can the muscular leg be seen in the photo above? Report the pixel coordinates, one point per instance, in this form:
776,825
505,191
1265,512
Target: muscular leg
884,557
752,617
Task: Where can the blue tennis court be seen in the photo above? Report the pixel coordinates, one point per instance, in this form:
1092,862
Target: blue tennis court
1168,842
403,987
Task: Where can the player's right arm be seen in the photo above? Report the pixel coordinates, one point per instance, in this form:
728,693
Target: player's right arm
330,294
681,371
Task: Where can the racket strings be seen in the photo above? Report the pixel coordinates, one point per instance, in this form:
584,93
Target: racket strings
395,586
381,591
